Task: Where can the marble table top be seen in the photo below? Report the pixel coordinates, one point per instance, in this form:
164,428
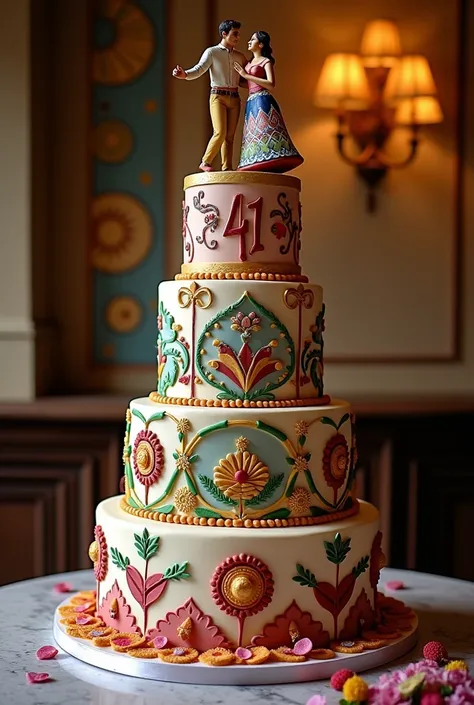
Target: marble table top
445,609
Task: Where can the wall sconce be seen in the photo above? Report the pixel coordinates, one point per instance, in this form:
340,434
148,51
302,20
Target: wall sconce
371,94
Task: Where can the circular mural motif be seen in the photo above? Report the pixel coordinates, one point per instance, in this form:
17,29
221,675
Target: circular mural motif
122,232
124,41
123,314
113,141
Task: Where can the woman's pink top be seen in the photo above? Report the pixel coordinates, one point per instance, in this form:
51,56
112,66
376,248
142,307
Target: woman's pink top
257,70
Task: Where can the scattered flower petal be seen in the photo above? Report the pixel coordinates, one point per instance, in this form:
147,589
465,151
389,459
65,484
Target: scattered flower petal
83,608
317,700
63,587
32,677
46,652
84,620
395,585
303,647
243,653
160,642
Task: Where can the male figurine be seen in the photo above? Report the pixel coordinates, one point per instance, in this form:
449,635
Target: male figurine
224,100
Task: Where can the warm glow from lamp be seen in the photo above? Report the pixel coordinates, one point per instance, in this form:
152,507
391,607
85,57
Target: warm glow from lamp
424,110
380,44
410,78
342,83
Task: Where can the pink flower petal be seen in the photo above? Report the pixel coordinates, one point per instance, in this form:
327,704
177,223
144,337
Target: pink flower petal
46,652
302,647
395,585
84,620
32,677
63,587
122,641
160,642
84,607
243,654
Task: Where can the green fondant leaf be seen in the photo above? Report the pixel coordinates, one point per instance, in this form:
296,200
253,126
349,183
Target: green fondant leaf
117,559
129,476
337,551
176,572
207,513
328,421
175,455
302,440
139,415
361,567
166,509
282,513
292,484
155,417
190,483
272,430
132,503
151,547
290,461
213,427
272,484
310,481
345,418
180,437
212,488
317,511
305,577
193,458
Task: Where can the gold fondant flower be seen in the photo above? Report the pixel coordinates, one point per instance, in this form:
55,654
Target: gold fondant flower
301,463
147,457
184,500
301,428
242,443
300,501
241,475
182,462
242,586
183,426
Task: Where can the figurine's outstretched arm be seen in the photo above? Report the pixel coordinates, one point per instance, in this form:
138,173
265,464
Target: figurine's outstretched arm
196,71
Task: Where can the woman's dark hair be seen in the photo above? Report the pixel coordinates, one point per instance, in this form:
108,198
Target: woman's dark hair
267,51
227,25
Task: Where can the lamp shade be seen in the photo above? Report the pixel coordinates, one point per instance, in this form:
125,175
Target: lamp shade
380,44
410,78
424,110
342,83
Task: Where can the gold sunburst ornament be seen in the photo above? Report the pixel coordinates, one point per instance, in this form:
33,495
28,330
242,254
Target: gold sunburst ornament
241,475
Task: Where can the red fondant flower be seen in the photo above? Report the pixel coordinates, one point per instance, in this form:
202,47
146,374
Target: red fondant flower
147,457
335,461
242,585
102,556
279,230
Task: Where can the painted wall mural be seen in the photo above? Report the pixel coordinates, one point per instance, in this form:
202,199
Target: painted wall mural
126,253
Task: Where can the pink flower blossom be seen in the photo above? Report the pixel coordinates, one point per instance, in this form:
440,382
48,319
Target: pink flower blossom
317,700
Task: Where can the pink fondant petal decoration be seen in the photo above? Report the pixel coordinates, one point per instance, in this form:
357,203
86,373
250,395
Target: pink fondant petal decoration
360,616
160,642
84,619
124,621
63,587
394,585
204,634
32,677
277,633
46,652
303,647
243,653
83,608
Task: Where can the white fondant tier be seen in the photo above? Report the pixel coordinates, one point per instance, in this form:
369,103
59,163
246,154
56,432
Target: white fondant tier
241,222
240,466
236,586
233,340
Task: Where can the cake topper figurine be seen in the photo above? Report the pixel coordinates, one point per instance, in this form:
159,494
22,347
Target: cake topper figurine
266,143
221,61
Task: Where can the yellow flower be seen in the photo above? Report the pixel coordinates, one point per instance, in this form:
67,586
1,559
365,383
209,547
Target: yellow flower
456,666
183,426
355,690
241,475
301,428
299,501
301,463
242,443
184,500
182,462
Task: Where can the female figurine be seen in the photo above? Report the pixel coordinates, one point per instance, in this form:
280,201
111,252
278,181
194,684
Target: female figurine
266,144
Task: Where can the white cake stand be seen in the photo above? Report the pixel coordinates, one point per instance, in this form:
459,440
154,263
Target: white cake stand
200,674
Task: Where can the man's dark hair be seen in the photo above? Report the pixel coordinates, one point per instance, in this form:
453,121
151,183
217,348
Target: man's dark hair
227,25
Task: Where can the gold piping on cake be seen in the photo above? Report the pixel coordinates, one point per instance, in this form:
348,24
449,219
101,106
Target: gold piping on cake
248,268
238,403
238,523
258,276
240,177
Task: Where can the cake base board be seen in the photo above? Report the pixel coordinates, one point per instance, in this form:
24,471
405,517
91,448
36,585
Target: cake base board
200,674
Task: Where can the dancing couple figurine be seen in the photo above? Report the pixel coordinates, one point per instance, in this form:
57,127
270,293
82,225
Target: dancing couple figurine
266,143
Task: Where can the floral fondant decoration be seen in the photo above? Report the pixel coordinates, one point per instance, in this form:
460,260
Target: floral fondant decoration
184,500
242,586
203,634
335,462
99,556
290,626
361,616
114,603
241,475
147,459
246,325
299,501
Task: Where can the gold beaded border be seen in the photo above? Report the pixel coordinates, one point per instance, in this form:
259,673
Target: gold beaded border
258,276
248,268
238,523
238,403
242,177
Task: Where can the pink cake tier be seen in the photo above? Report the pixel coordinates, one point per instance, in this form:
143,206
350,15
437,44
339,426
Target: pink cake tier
238,224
